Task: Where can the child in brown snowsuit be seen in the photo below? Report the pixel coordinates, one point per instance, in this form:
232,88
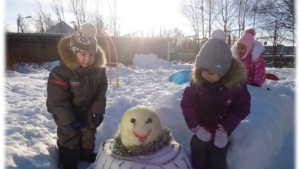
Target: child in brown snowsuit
76,95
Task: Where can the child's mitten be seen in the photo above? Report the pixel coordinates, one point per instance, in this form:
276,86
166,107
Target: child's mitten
202,133
98,119
221,137
74,125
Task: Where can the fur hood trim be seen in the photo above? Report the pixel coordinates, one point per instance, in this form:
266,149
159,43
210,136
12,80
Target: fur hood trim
69,58
234,78
256,51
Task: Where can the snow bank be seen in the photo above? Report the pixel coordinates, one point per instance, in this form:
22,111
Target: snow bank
149,61
31,132
260,136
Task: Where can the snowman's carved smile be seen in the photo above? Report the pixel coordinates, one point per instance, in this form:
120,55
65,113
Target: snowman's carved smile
141,138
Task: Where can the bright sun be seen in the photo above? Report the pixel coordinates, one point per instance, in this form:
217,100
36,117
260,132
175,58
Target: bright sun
148,14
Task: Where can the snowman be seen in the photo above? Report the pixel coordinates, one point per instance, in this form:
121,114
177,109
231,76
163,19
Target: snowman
142,144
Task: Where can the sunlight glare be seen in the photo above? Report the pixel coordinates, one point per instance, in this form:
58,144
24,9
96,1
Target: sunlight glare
144,15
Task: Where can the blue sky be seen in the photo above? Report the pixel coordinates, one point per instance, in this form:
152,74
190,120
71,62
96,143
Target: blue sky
134,14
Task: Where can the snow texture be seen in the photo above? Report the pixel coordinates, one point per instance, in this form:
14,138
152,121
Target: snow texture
264,140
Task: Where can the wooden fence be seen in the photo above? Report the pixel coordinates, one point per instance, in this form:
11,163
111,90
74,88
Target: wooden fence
40,48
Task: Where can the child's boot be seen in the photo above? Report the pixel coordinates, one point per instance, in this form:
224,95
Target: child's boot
69,157
71,166
88,155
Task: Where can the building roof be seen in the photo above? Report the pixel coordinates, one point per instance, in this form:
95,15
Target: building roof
59,28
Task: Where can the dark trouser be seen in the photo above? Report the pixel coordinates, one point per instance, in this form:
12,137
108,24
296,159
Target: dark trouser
205,155
78,143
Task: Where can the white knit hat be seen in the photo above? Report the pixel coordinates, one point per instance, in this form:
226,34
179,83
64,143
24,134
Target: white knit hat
84,40
215,55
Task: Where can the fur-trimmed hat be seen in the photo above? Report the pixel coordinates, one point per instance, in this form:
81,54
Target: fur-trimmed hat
215,55
247,39
84,40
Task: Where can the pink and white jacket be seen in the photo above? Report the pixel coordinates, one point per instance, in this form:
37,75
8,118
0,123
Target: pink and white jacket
254,63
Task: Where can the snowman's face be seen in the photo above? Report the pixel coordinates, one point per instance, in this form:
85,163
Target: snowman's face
139,125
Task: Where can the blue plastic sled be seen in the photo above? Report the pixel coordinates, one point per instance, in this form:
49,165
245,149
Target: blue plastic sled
184,76
181,77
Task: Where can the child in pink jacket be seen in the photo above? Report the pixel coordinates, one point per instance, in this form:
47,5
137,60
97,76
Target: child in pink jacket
249,51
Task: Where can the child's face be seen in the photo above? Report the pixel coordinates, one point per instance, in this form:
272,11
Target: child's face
85,59
210,76
242,49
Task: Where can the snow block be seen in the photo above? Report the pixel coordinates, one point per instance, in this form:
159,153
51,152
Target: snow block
259,137
181,77
170,157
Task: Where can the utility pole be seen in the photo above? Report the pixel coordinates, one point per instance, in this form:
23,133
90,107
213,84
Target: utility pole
19,20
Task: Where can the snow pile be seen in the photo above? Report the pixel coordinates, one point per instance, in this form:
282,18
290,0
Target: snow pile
33,67
30,140
149,61
260,136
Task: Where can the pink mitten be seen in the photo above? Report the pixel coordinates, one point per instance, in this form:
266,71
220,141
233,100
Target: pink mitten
221,137
202,133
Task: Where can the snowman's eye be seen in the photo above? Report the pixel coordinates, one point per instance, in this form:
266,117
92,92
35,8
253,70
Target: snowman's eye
149,120
132,120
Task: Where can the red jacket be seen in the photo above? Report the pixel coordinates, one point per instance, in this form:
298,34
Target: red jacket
255,70
254,63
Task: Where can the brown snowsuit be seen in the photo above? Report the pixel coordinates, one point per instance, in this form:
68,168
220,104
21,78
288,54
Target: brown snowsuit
76,93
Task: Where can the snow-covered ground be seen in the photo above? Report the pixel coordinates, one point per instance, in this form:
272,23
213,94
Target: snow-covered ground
264,140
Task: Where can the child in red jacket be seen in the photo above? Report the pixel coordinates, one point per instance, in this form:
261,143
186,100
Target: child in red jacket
249,51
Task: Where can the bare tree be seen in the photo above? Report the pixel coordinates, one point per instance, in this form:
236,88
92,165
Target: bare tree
254,9
21,24
43,19
188,45
193,11
58,8
96,18
210,16
39,24
177,35
200,5
166,33
243,10
113,24
278,21
201,16
174,33
240,14
78,7
280,13
227,11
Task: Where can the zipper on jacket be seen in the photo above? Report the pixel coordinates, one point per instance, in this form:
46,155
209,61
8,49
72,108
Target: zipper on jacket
94,84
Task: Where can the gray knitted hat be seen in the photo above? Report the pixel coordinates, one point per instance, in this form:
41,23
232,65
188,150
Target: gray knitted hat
84,40
215,55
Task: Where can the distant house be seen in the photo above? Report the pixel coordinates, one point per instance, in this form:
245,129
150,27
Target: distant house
60,28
